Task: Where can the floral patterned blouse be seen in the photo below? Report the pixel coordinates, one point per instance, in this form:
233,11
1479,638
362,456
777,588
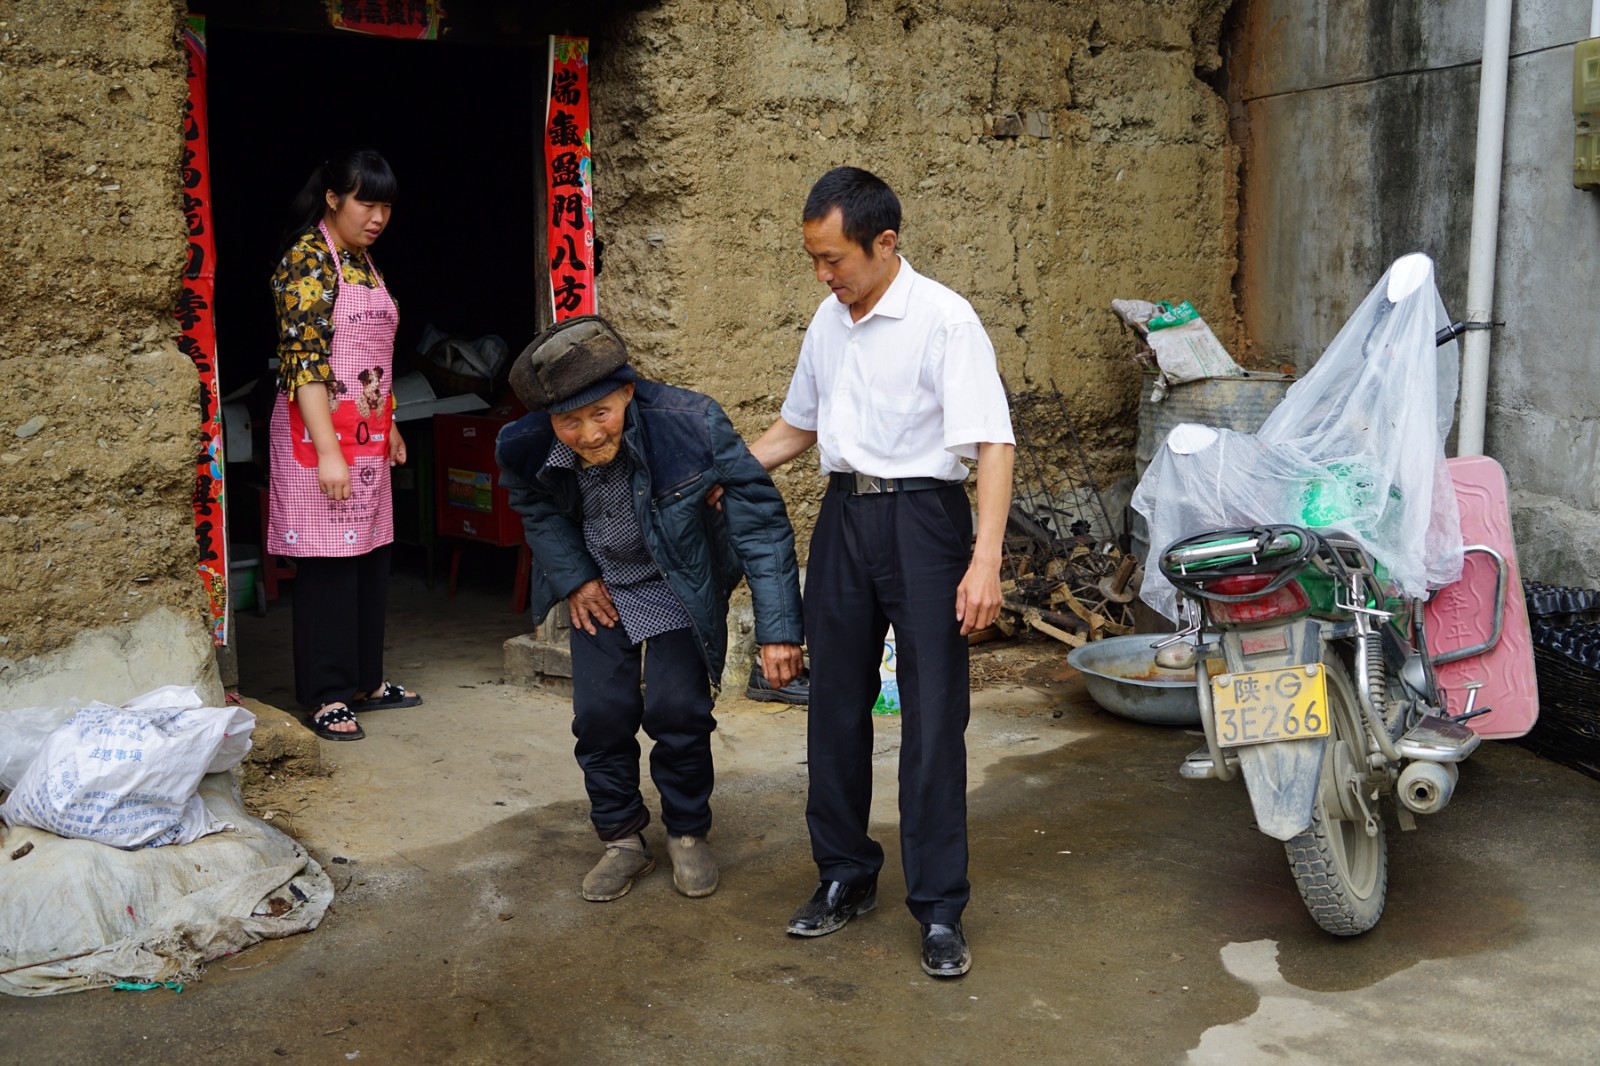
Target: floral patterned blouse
303,293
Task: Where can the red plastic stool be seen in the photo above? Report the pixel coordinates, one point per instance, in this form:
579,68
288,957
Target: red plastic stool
519,592
273,569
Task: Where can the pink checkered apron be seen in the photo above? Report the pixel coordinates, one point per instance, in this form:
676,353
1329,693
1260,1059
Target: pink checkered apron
301,520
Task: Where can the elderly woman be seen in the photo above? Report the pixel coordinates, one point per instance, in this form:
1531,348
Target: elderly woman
610,473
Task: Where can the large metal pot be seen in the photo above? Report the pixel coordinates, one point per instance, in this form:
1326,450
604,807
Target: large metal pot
1122,676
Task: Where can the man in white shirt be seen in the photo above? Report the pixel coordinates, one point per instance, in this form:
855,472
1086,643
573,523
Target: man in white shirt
896,384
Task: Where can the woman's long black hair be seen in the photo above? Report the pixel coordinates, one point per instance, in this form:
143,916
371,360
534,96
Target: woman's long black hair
360,172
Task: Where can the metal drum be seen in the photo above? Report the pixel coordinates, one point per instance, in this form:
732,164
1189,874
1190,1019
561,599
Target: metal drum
1240,404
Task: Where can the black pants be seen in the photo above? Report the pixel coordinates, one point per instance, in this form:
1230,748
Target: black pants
878,560
674,707
339,608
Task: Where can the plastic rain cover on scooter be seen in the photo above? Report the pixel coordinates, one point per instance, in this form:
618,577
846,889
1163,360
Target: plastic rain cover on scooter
1357,446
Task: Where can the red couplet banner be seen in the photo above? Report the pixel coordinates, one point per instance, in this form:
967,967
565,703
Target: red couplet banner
198,339
569,183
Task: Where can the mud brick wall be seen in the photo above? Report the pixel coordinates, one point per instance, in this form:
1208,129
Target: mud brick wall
98,407
1050,157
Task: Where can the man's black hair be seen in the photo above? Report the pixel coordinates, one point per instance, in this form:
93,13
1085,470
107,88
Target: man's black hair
866,204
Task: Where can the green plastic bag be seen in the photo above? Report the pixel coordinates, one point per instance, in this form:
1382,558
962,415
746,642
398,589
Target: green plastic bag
1167,315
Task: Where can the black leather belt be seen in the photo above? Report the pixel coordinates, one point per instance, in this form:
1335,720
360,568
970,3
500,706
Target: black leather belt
865,485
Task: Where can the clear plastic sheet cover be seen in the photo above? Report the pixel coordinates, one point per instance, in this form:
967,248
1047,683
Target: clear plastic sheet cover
1357,445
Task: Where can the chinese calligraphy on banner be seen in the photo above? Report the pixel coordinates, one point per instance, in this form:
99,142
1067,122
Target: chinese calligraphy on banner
198,339
410,20
569,180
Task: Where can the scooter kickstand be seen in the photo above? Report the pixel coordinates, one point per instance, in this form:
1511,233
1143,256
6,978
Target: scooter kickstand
1469,711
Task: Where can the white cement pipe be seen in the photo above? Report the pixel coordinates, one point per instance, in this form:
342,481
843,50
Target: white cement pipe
1492,78
1594,19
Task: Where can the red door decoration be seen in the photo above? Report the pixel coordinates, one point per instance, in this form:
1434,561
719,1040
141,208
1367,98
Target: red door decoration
198,339
407,20
569,180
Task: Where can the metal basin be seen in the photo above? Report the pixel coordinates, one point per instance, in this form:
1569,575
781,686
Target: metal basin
1122,676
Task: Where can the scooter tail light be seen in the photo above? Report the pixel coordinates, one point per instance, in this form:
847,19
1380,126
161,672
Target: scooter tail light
1282,602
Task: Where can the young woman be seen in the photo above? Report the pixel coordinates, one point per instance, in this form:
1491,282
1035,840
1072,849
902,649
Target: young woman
330,507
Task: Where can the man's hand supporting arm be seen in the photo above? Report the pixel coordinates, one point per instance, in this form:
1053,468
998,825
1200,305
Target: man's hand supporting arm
978,595
782,442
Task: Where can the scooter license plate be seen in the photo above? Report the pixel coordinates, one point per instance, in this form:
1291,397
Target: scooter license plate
1270,705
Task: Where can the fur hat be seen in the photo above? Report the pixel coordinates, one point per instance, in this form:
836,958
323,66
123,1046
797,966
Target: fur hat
574,362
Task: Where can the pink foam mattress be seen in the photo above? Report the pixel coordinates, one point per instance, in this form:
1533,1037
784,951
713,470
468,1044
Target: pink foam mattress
1462,614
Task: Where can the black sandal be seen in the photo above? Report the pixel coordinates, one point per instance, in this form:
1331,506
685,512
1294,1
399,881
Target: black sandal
393,695
328,716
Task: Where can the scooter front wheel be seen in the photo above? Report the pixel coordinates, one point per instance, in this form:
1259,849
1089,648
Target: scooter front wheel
1341,871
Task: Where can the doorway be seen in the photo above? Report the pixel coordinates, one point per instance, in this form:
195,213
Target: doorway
459,120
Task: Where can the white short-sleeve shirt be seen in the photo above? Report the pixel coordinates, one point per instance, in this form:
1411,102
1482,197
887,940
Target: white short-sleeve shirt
908,391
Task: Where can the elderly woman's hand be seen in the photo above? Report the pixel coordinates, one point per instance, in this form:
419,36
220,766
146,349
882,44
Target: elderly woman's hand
397,446
781,663
589,603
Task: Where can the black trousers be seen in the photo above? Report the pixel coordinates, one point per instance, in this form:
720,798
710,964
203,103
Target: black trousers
339,608
674,707
880,560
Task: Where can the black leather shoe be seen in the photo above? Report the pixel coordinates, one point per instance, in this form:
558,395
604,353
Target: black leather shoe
833,904
797,691
944,951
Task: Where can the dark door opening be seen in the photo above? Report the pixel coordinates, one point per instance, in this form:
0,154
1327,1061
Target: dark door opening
459,125
459,121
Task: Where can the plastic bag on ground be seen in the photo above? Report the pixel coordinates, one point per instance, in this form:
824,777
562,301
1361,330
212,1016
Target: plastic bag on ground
128,776
22,731
1357,445
154,914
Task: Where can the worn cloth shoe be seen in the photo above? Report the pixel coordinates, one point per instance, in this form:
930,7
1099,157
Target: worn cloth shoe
694,868
616,871
797,692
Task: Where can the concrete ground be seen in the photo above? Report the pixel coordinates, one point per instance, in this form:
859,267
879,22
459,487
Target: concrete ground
1119,914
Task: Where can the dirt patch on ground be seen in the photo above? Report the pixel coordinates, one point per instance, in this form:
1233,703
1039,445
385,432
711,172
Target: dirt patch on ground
1025,660
309,788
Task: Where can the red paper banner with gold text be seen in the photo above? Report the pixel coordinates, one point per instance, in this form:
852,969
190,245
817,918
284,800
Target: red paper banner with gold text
198,339
569,183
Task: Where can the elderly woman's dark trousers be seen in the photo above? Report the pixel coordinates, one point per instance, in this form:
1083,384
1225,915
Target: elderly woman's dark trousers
878,560
673,707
